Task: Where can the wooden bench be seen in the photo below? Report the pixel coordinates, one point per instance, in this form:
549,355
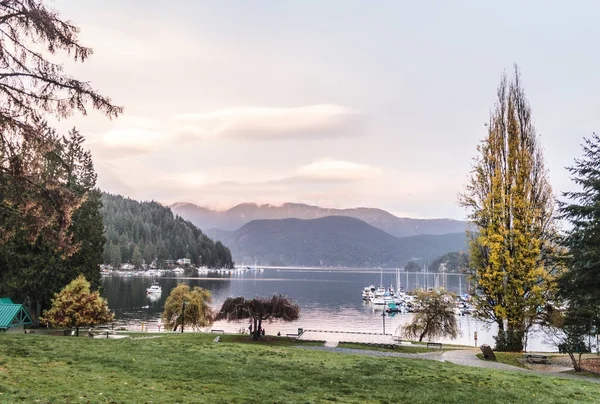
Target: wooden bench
292,335
536,358
434,345
217,331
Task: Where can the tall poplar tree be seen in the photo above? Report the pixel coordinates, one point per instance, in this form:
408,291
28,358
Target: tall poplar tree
510,205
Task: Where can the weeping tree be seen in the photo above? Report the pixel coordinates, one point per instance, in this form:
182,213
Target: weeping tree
435,317
77,306
513,241
188,307
259,310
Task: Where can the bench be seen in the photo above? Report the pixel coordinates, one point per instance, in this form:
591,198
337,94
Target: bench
434,345
292,335
217,331
535,358
93,333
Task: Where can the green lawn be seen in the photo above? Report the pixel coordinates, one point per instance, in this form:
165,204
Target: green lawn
192,368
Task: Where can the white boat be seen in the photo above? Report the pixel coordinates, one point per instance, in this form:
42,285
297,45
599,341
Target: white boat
155,288
378,301
367,292
178,270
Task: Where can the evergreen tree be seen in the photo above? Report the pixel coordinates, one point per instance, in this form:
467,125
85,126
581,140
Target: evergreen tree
580,284
34,203
511,206
34,272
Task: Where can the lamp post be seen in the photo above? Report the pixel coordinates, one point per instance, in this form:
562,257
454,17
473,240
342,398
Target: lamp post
183,315
383,317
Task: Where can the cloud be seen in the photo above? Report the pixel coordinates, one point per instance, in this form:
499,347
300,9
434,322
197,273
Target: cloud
313,121
336,171
126,142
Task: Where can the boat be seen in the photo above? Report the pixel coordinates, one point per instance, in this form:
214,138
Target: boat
178,270
367,292
155,288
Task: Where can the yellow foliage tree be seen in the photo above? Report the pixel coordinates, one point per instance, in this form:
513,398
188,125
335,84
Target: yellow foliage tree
511,207
188,307
76,306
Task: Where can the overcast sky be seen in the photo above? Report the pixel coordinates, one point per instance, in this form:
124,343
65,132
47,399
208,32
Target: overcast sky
334,103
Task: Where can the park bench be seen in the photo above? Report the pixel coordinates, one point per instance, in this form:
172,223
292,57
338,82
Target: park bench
434,345
292,335
217,331
536,358
102,331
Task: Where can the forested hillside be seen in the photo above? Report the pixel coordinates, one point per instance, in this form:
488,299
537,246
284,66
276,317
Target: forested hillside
452,262
142,232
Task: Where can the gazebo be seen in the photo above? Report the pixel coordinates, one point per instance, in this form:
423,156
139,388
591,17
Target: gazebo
13,317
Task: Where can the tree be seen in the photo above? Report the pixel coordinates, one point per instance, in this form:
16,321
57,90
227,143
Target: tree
567,329
435,317
259,310
77,306
511,207
34,272
412,266
188,307
580,284
136,259
34,204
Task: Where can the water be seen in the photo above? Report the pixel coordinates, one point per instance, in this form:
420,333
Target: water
328,299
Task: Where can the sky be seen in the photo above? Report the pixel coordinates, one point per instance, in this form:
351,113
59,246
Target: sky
333,103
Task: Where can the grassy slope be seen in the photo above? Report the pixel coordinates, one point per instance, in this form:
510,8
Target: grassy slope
509,358
191,368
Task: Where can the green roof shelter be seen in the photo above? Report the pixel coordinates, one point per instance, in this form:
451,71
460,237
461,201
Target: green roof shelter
13,317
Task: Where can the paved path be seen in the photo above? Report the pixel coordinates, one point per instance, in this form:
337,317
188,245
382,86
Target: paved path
464,357
467,357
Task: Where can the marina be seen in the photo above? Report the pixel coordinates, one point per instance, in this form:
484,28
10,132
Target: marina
330,300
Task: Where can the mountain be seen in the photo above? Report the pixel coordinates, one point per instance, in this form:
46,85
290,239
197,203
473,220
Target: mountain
139,232
336,241
239,215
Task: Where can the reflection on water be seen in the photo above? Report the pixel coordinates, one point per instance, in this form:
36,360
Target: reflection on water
328,299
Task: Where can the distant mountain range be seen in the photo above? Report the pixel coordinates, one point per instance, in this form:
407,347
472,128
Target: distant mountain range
333,241
239,215
304,235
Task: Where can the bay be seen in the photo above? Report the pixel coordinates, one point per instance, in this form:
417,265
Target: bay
329,300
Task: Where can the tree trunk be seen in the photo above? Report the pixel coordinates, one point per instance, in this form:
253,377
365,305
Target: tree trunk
255,330
77,331
576,364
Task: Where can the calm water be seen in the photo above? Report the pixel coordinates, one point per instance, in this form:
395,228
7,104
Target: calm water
328,299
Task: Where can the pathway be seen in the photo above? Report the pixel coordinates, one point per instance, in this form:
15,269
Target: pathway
464,357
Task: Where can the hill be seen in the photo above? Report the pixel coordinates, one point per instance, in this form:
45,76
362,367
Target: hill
332,241
239,215
139,232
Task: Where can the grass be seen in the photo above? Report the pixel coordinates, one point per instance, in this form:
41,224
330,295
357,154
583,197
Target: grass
192,368
509,358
